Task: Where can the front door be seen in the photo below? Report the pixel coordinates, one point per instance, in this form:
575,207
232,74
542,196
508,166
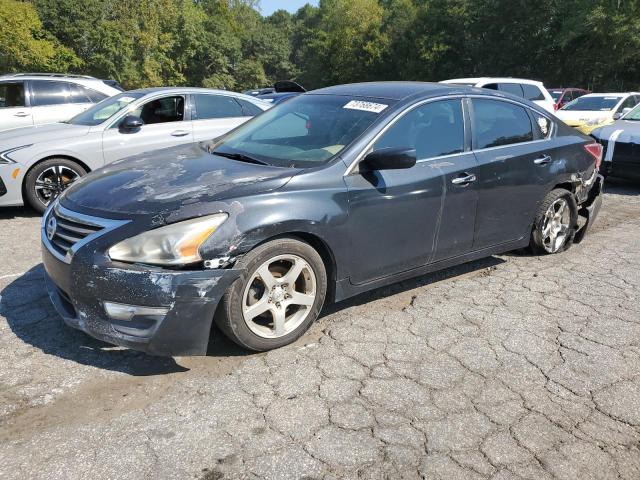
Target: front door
395,215
516,163
14,111
164,126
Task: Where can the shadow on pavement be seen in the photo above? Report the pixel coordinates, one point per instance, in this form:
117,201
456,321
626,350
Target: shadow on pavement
620,186
413,283
17,212
31,316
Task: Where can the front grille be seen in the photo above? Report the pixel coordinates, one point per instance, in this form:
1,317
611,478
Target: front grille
64,231
67,232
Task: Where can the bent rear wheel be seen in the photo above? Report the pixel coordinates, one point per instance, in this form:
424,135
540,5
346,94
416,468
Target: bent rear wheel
277,299
555,223
48,179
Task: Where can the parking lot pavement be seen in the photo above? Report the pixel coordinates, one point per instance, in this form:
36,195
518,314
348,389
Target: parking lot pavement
511,367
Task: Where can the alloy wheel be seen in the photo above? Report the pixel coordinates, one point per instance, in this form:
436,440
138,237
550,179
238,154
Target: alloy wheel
279,296
53,181
555,225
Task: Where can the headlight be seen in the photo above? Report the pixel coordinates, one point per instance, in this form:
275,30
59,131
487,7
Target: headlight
5,156
175,244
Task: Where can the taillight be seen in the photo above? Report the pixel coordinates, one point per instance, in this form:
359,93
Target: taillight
595,150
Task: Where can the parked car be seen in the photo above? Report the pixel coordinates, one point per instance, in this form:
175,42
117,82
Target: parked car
530,89
38,163
325,196
37,98
596,109
621,142
282,90
562,96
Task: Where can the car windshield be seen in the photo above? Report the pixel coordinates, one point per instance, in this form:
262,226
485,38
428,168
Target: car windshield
586,103
105,109
303,132
555,94
633,115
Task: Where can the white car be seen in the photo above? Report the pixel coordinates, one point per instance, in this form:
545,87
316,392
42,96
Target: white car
36,98
596,109
37,163
529,89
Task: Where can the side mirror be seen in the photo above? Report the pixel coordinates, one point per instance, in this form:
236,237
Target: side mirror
131,124
617,115
390,159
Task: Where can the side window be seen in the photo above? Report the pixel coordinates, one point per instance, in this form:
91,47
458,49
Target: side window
532,92
47,92
248,108
11,94
433,129
491,86
630,102
512,88
499,123
161,110
77,94
216,106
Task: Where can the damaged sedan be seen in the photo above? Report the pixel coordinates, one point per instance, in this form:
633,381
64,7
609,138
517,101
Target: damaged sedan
330,194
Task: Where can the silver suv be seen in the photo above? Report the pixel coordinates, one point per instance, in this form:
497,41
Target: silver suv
28,99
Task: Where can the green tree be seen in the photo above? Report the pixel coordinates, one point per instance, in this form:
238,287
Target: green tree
26,45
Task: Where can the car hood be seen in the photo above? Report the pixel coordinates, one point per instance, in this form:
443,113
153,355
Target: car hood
163,182
575,117
17,137
627,131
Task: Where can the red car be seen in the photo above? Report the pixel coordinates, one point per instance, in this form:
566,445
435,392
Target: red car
562,96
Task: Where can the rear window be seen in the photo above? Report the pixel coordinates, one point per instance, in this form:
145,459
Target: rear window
499,123
46,92
249,109
217,106
603,104
532,92
512,88
555,94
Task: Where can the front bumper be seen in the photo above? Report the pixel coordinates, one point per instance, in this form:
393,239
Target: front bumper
79,288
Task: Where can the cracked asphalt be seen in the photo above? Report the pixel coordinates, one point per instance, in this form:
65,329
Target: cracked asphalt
513,367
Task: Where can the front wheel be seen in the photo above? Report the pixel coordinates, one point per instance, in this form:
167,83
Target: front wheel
555,223
48,179
278,297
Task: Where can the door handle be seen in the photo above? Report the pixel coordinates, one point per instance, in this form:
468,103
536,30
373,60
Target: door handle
21,114
464,179
544,160
179,133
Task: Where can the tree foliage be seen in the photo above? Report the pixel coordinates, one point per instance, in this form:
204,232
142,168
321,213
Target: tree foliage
229,44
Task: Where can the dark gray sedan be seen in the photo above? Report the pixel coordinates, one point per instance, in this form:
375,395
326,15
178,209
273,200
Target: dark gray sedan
325,196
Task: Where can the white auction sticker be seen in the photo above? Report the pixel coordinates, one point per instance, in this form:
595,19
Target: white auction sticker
365,106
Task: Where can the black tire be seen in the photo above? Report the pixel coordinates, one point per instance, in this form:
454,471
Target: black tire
537,243
230,318
30,194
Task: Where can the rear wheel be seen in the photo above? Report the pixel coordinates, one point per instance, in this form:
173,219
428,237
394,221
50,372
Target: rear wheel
277,299
48,179
555,223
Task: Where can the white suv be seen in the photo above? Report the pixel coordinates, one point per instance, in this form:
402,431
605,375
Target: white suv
529,89
28,99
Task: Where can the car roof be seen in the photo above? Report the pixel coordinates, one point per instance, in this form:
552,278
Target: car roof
566,89
611,94
492,79
389,90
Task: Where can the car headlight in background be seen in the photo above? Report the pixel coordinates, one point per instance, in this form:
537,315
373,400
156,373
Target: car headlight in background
175,244
5,156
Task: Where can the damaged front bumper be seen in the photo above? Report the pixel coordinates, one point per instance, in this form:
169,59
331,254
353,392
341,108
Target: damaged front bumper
590,208
154,310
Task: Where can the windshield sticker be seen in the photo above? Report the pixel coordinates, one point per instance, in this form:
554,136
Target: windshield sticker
543,123
365,106
126,99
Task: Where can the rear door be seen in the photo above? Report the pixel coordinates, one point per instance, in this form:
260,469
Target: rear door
214,115
166,124
516,164
54,101
14,109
